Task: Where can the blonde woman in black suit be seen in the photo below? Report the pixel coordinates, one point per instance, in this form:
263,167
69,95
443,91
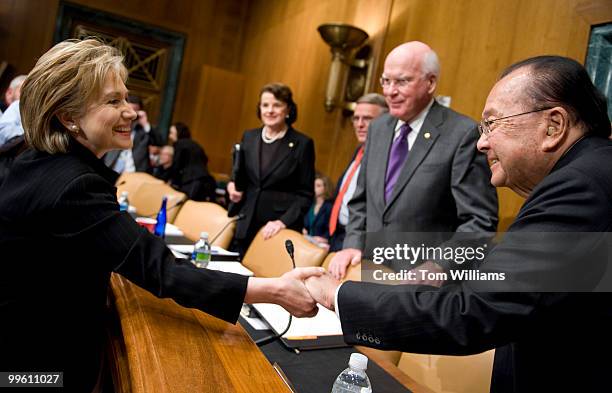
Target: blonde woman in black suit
273,183
62,234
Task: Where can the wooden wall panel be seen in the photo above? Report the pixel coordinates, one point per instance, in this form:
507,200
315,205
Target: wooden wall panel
281,44
476,39
26,31
213,30
218,96
276,40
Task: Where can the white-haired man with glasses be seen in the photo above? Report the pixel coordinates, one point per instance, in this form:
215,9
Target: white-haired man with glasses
421,171
545,134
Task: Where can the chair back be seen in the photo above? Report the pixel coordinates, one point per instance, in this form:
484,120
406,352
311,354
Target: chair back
268,258
148,197
450,374
131,181
195,217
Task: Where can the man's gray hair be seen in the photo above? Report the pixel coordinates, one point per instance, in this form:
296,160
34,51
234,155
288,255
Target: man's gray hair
17,81
375,99
431,64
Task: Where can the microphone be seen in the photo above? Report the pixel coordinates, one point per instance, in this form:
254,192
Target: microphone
273,337
227,224
290,250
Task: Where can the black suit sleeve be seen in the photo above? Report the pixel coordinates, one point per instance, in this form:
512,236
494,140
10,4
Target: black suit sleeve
122,246
472,316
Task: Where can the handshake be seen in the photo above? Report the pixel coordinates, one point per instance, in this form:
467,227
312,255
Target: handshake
297,291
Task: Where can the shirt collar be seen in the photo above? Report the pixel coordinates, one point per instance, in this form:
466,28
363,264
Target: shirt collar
417,122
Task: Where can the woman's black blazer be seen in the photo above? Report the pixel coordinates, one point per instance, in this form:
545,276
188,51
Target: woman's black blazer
286,191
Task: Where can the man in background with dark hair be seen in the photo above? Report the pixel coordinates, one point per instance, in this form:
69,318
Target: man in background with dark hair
143,136
368,108
545,133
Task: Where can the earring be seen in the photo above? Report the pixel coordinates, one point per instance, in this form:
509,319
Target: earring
550,131
74,128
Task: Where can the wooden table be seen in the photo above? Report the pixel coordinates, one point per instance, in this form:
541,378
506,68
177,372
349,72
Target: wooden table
159,346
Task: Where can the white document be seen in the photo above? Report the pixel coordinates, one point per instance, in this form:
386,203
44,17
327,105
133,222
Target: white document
186,249
230,267
173,230
325,323
214,250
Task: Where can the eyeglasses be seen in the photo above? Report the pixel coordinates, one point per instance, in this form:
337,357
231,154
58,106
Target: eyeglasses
484,128
399,83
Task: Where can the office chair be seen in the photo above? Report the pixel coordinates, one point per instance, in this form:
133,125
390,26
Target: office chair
147,200
268,258
130,182
195,217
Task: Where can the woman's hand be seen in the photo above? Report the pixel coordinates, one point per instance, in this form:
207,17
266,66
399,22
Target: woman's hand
234,195
272,228
288,291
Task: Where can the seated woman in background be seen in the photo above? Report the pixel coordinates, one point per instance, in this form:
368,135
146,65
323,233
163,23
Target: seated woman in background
62,234
163,168
189,172
273,181
316,222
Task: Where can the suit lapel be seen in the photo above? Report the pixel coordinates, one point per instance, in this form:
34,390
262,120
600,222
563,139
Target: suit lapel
288,145
422,145
380,145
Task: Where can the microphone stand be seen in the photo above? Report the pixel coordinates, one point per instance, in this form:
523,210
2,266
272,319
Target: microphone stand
273,337
227,224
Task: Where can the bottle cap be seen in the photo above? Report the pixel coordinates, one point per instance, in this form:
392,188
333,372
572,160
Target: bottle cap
358,361
203,235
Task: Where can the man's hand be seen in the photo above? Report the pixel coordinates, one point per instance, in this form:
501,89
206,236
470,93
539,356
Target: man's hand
288,291
142,119
234,195
323,289
429,267
272,228
341,261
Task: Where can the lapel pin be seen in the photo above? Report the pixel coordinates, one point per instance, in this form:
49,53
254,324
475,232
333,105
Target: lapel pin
290,144
427,135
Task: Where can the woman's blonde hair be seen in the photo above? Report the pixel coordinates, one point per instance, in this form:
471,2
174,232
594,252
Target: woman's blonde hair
64,80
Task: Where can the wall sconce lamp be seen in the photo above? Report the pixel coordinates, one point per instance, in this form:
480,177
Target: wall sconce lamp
342,39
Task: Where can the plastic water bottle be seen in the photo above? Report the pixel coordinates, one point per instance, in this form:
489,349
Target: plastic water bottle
354,378
160,226
124,204
201,251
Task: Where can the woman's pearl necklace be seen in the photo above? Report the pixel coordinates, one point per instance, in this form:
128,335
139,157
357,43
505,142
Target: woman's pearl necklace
267,139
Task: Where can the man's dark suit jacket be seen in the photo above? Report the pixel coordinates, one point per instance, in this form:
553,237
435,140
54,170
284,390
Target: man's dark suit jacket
443,186
337,239
546,342
286,191
61,235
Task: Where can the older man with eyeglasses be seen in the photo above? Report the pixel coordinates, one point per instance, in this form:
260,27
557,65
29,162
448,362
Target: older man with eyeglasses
545,134
421,171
